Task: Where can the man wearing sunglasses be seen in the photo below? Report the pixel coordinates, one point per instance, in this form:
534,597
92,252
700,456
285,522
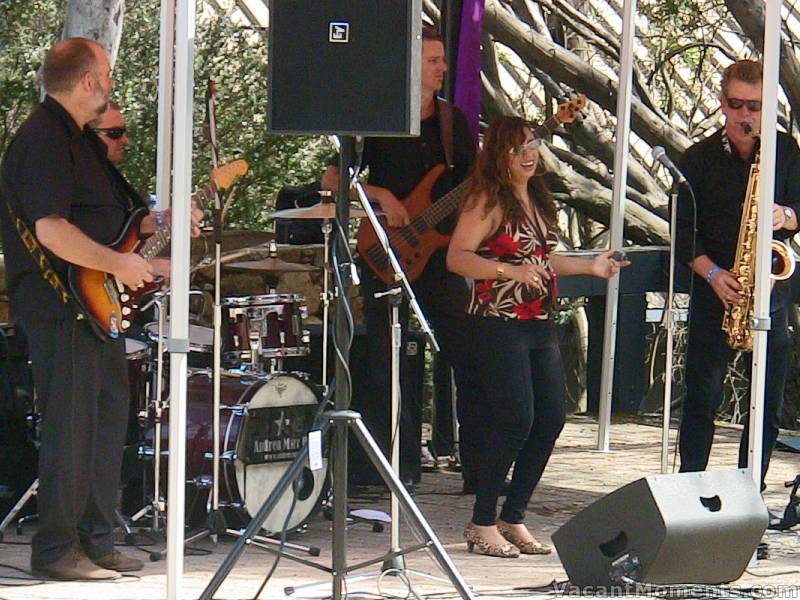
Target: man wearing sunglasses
718,170
110,127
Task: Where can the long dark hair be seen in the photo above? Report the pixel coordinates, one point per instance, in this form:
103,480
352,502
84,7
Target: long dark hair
491,175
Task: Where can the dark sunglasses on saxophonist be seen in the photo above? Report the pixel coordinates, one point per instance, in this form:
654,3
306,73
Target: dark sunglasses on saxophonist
737,103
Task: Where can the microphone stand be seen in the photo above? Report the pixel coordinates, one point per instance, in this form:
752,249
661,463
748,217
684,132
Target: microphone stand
669,322
670,314
343,421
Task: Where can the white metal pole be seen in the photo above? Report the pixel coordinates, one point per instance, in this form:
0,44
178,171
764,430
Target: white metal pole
621,151
769,119
166,73
179,322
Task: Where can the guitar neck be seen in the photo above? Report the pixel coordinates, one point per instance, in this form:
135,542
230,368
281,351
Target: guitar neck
159,240
450,201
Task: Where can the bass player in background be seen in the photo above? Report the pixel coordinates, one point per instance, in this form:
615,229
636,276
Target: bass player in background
718,169
396,167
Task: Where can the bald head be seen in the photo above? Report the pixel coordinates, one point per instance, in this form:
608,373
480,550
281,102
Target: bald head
67,62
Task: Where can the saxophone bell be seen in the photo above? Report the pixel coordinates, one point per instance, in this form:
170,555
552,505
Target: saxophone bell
783,261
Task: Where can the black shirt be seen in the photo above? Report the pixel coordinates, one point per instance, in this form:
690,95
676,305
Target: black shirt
399,164
719,179
52,167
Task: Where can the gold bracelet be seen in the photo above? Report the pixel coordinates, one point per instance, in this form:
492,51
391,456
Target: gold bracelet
500,274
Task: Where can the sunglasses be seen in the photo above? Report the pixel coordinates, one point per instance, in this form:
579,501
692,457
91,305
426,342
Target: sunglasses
114,133
736,104
529,145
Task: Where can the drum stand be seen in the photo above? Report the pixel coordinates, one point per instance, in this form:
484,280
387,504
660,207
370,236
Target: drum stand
344,421
157,505
7,520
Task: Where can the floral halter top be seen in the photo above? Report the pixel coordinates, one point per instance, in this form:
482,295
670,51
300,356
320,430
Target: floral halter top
516,244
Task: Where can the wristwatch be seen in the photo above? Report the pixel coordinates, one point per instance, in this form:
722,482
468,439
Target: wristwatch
788,213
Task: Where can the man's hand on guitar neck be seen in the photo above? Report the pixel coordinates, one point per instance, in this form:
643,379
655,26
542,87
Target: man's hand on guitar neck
150,225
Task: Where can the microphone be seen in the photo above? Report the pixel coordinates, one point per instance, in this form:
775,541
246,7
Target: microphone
660,155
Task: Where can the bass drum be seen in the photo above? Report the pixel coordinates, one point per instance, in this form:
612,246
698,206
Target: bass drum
264,422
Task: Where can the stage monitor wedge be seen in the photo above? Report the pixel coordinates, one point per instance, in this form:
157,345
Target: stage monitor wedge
682,528
349,67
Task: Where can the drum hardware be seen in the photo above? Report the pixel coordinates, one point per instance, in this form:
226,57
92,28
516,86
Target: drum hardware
321,210
343,421
272,266
23,500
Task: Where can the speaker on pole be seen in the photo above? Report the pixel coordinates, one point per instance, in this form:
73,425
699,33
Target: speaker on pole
666,529
349,67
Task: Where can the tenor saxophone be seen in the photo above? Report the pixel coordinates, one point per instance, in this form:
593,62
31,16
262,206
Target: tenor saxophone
738,318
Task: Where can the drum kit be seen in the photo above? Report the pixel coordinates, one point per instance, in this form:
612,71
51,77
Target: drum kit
265,410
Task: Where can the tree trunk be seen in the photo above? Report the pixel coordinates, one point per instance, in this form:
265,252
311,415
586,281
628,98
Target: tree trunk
99,20
562,65
750,14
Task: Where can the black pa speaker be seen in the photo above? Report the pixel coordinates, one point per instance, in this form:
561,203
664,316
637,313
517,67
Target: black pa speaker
666,529
345,66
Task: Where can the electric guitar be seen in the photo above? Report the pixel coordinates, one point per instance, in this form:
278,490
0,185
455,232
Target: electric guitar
416,242
111,305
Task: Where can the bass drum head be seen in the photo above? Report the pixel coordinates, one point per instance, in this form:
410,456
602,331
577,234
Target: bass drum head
277,420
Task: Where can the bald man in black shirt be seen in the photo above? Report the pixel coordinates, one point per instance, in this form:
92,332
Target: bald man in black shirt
55,177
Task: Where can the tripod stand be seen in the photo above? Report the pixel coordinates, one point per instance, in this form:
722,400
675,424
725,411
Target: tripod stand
343,422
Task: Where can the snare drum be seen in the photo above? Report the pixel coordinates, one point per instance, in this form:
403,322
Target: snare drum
201,343
264,422
273,323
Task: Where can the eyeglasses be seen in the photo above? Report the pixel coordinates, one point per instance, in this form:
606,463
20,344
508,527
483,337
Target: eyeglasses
529,145
736,104
113,133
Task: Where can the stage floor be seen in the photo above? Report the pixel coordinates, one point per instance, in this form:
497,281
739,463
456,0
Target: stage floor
576,476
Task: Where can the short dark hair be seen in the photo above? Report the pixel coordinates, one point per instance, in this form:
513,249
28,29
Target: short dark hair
110,106
66,62
747,71
429,34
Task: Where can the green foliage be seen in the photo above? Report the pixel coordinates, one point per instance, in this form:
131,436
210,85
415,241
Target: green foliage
27,29
235,58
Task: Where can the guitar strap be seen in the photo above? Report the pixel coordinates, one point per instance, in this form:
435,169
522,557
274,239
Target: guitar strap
446,129
39,255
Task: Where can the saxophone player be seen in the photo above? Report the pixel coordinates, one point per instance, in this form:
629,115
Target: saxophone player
719,169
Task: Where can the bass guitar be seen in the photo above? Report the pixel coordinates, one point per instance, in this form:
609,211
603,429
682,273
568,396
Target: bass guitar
416,242
109,304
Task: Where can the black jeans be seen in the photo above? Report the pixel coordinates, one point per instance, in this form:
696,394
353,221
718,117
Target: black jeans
707,357
443,296
522,377
82,395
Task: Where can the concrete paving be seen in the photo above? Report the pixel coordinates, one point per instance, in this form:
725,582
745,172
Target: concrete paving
577,475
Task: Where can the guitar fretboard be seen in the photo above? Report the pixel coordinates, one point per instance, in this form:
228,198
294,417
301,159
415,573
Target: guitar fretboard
159,240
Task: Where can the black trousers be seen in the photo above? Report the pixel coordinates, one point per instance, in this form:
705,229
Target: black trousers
82,396
443,296
522,376
707,358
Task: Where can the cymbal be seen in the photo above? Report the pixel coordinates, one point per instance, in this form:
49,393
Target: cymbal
232,239
322,210
270,265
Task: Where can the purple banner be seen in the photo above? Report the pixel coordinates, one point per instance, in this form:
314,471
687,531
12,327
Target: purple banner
468,69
